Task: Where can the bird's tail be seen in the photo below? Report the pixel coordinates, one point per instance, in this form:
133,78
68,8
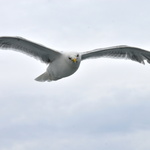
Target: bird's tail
43,77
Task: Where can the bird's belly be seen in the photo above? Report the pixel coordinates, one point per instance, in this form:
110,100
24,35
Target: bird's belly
59,70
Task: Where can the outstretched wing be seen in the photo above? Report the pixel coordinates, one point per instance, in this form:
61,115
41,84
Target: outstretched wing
45,54
133,53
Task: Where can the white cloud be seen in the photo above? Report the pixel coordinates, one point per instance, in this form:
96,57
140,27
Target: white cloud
104,105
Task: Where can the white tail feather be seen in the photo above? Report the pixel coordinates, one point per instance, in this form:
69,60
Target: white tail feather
43,77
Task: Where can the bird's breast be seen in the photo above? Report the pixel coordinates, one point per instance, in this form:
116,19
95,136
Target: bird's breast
59,69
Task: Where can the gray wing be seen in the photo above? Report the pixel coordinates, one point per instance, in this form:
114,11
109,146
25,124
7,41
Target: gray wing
46,55
132,53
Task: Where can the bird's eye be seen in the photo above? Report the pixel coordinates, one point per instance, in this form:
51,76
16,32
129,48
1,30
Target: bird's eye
77,55
69,58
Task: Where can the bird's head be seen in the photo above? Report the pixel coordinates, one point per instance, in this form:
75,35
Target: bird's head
74,57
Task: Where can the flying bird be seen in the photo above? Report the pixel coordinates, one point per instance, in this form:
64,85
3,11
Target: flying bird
63,64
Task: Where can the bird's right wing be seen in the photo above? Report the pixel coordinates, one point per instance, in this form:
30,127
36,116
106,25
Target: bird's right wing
45,54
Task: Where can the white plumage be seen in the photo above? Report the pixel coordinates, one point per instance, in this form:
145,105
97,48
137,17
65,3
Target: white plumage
65,64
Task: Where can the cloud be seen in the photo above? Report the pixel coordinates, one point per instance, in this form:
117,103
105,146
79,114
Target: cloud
104,105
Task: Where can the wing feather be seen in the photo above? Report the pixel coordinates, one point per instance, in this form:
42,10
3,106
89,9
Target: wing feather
45,54
132,53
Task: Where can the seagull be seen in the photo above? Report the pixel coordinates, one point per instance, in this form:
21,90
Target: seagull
64,64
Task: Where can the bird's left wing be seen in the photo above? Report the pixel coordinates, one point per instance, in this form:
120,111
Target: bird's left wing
132,53
45,54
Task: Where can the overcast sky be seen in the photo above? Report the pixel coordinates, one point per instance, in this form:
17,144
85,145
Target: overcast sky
105,105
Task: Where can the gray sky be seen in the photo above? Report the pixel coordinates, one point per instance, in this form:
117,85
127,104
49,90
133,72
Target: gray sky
104,105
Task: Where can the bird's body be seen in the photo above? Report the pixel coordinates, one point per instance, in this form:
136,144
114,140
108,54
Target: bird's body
65,64
57,70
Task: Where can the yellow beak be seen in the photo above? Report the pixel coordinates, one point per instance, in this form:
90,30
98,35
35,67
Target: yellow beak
74,60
